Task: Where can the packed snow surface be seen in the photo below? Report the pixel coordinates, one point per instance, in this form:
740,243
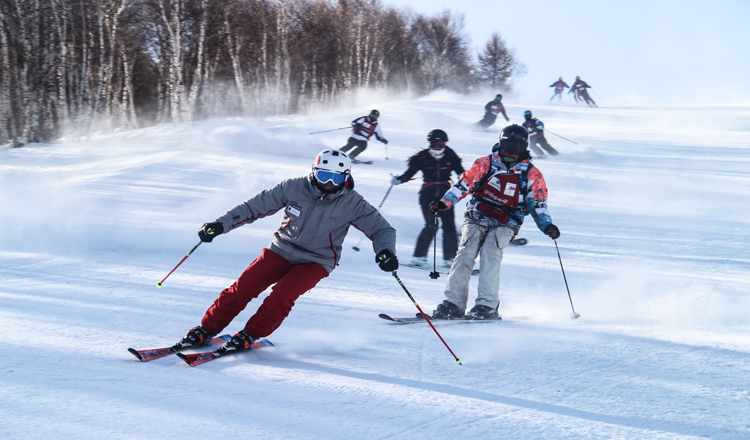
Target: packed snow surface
653,206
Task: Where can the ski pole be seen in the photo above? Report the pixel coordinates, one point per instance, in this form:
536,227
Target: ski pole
326,131
159,284
424,315
386,196
356,248
574,315
561,137
435,274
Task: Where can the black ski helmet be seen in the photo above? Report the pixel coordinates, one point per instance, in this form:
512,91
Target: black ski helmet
498,97
375,113
514,139
437,135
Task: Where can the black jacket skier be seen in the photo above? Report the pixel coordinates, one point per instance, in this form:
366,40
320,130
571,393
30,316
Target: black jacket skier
436,163
491,110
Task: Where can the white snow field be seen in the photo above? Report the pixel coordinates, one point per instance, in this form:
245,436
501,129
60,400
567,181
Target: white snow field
653,206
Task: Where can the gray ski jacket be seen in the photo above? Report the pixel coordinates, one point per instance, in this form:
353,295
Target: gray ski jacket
314,224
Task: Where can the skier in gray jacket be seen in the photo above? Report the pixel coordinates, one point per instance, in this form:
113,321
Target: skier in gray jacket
318,210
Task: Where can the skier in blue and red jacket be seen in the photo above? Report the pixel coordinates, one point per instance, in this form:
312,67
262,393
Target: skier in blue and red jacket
559,86
505,186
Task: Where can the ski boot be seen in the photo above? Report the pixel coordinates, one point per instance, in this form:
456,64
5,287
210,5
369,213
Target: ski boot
196,337
447,310
479,312
239,342
420,262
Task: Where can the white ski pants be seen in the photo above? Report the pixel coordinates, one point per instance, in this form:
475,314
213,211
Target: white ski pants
487,243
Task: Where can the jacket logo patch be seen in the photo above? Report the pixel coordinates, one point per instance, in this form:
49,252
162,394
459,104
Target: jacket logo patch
293,211
510,189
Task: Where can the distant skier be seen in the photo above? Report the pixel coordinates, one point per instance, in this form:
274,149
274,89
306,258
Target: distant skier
318,210
535,127
491,110
580,87
362,129
505,187
559,86
436,164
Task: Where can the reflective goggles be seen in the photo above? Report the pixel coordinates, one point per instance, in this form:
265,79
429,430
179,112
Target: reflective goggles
324,176
437,145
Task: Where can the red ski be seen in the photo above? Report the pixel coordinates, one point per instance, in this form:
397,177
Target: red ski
207,356
158,353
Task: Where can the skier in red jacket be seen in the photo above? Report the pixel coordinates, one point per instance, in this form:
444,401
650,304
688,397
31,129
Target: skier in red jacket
491,110
580,87
362,129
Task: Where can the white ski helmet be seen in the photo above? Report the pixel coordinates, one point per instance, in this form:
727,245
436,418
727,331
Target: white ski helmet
332,161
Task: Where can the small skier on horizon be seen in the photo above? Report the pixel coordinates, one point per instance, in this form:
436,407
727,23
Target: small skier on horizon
318,211
436,164
505,186
491,110
559,86
580,86
363,129
535,127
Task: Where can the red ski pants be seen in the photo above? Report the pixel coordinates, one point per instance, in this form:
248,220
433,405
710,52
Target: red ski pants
586,97
292,280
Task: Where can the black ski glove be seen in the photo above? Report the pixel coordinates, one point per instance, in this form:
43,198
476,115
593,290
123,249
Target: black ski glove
552,231
208,231
387,260
438,205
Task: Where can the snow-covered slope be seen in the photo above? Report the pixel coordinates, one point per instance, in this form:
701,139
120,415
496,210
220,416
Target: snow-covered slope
652,203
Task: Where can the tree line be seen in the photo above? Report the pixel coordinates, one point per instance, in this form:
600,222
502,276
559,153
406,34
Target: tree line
69,67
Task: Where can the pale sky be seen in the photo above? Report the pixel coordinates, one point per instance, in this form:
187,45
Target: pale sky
635,51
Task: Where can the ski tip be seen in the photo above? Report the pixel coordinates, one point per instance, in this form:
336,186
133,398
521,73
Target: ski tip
185,358
136,354
263,343
386,317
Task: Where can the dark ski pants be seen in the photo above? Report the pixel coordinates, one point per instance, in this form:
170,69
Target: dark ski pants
360,147
558,94
487,121
450,238
292,280
542,142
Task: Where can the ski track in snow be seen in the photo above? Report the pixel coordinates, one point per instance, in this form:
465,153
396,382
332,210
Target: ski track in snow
653,207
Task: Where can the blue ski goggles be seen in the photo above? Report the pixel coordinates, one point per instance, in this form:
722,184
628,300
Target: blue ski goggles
324,176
